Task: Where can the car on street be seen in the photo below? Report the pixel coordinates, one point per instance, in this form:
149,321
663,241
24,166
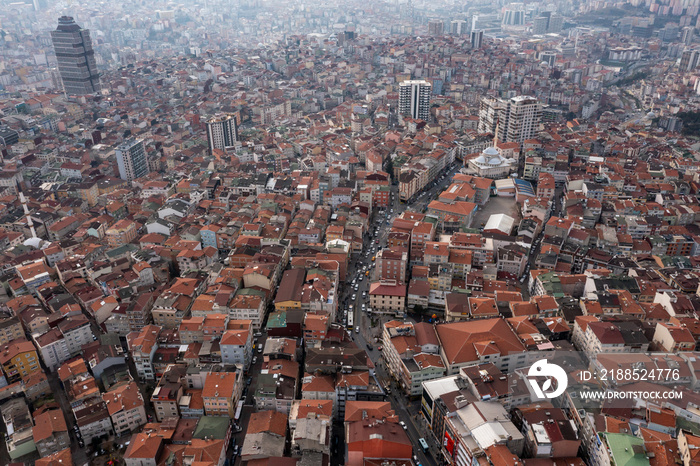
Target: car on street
370,347
403,424
249,380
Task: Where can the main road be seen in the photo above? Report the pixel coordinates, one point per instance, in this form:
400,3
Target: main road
365,337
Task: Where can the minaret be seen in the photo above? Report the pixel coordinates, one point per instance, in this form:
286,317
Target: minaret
495,136
23,200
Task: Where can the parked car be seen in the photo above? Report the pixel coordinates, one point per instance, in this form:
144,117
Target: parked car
403,424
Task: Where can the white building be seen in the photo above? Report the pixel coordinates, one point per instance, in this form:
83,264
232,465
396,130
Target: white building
515,120
414,99
222,132
237,347
131,159
76,332
53,348
491,164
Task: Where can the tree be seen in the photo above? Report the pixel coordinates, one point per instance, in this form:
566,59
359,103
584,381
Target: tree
418,309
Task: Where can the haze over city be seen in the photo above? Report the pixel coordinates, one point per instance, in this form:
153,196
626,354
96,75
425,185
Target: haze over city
401,233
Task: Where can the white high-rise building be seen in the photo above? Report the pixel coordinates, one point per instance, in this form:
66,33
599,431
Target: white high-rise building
414,99
516,119
131,158
222,132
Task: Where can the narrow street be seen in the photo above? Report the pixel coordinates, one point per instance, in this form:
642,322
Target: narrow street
368,327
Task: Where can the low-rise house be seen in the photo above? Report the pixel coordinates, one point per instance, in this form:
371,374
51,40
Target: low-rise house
50,432
144,450
56,459
10,329
247,306
142,346
673,338
19,359
411,354
92,419
19,427
387,296
166,397
53,348
221,393
77,332
266,436
237,347
126,407
275,392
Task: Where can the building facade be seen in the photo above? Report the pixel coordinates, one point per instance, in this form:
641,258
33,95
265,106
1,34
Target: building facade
515,120
75,57
131,159
414,99
222,132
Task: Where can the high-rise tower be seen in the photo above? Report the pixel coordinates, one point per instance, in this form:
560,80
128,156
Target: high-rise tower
75,57
414,99
477,38
222,132
131,158
514,120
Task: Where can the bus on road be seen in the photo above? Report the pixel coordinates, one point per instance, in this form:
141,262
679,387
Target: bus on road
239,408
351,319
423,444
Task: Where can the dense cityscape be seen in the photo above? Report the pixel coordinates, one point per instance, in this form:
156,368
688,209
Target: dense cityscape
369,234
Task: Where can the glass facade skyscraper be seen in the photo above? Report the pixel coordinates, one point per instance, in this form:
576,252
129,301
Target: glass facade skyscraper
75,57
